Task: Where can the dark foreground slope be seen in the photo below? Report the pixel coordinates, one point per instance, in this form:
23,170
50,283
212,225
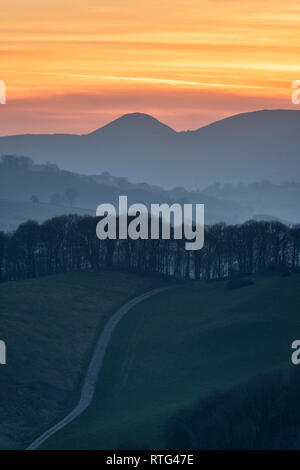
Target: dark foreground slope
50,326
180,346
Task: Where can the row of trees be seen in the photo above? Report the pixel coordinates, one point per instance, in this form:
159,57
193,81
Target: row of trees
69,243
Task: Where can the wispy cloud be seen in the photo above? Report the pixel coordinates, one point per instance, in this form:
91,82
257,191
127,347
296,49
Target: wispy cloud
233,54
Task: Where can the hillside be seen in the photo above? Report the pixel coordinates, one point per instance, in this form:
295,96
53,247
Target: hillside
266,200
246,147
173,349
58,192
19,180
14,213
50,326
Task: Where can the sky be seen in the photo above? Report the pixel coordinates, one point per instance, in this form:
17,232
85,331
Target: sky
71,66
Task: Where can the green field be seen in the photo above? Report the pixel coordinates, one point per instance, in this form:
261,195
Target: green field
50,326
181,345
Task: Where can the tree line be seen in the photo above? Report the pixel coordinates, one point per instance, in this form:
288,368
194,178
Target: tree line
69,243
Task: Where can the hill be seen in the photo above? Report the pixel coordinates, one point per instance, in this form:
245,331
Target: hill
246,147
176,347
134,125
267,200
50,326
56,192
14,213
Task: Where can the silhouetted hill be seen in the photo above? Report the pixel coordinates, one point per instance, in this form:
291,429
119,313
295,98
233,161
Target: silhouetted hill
135,123
246,147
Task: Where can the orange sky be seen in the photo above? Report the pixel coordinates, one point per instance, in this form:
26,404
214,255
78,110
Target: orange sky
74,65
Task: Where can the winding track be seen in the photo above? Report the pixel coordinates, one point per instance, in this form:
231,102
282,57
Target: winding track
91,377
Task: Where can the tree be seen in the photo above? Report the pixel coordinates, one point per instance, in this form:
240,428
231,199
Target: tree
3,246
27,237
17,162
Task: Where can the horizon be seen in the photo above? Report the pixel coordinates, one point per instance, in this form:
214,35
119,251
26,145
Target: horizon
156,119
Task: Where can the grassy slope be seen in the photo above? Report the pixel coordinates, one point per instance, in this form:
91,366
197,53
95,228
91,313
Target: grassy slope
50,326
178,346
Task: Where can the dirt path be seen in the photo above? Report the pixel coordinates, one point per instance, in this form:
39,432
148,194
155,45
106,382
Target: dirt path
91,378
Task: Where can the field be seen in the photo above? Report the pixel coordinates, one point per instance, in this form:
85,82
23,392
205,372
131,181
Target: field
181,345
50,326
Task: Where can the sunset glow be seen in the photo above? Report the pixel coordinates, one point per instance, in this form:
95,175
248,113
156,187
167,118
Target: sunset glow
74,65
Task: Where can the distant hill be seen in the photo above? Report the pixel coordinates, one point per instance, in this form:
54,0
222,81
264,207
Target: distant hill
246,147
14,213
134,125
267,201
38,192
20,178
